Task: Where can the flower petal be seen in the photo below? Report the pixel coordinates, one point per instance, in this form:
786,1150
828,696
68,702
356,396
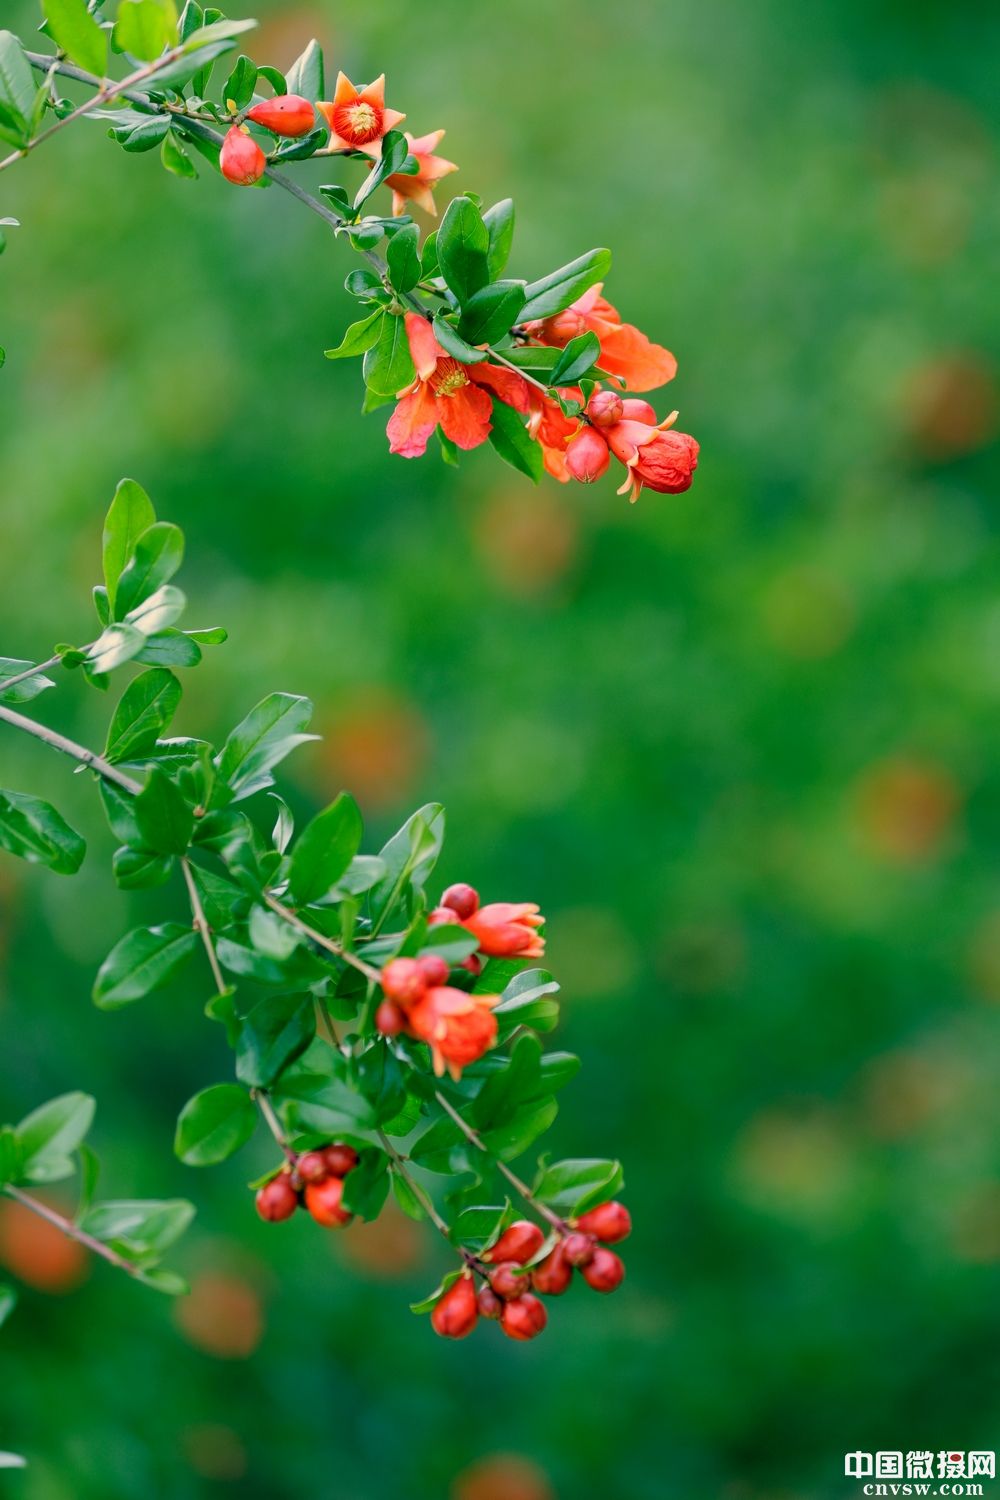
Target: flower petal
465,416
412,423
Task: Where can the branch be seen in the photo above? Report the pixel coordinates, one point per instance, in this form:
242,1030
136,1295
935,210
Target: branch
43,666
519,1187
67,1227
337,949
69,747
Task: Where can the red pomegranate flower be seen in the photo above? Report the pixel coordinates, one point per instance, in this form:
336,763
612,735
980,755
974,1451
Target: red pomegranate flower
507,929
420,187
625,352
358,118
457,1027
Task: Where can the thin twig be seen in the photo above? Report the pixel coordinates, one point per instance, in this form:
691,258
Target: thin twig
43,666
520,1187
73,1231
69,747
331,946
201,925
259,1096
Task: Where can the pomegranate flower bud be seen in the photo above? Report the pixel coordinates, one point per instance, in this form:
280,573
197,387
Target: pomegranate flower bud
456,1313
489,1304
277,1199
609,1222
524,1317
434,968
558,330
389,1019
340,1159
403,980
553,1276
461,899
506,929
634,409
312,1167
241,161
667,464
457,1027
605,1272
606,407
323,1202
441,914
587,455
288,114
519,1242
579,1248
509,1280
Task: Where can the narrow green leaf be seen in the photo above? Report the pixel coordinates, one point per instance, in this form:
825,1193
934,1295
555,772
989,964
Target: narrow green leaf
33,830
463,243
499,221
305,76
452,343
555,292
214,1124
512,441
267,734
580,355
143,714
54,1129
131,514
324,850
359,337
388,366
157,555
17,82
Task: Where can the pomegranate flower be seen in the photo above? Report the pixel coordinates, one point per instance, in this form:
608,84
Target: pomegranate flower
457,1027
625,352
507,929
655,458
420,187
358,118
448,394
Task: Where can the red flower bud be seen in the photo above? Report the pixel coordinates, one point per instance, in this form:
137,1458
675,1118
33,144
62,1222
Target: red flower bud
519,1242
524,1318
636,410
323,1202
578,1248
509,1281
473,963
462,899
609,1222
605,408
605,1272
553,1275
587,455
288,114
241,160
563,326
403,980
441,914
506,929
667,464
277,1199
456,1313
489,1304
312,1167
389,1019
434,968
340,1159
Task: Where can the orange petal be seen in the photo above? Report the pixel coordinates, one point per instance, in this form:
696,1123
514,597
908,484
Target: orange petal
412,423
465,416
512,388
628,353
424,347
345,91
374,93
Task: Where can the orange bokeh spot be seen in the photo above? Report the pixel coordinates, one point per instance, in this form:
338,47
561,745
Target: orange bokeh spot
39,1254
984,957
906,809
976,1228
378,748
503,1476
390,1246
952,406
529,542
214,1451
222,1316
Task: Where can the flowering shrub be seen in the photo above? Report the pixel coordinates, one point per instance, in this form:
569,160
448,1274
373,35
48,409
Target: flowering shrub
540,369
383,1040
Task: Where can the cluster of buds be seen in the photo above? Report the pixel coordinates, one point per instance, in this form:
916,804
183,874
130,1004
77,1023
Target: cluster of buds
241,160
313,1180
514,1272
459,1027
655,457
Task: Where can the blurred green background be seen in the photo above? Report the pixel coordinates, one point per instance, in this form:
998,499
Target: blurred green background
740,744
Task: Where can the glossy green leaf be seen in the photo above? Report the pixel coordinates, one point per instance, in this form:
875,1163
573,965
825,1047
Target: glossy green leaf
305,76
175,159
78,35
499,221
388,366
214,1124
395,150
359,337
409,857
33,830
491,312
17,82
367,1187
8,1301
142,961
276,1031
164,819
143,714
22,692
580,355
144,28
463,243
268,733
573,1186
139,1227
324,850
452,342
403,258
553,293
53,1131
140,869
156,556
130,515
511,439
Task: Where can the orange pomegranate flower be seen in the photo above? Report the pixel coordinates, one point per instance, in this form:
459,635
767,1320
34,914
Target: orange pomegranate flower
549,425
507,929
420,187
625,352
654,457
448,394
358,118
457,1027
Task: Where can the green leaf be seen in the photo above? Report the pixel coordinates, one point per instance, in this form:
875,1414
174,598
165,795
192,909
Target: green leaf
17,82
463,243
10,1154
511,1085
139,1227
324,850
405,1196
145,710
33,830
131,514
142,961
78,35
573,1186
327,1103
491,312
479,1226
499,221
367,1187
305,76
402,256
23,691
240,84
388,366
52,1133
511,439
553,293
157,555
140,869
144,28
175,159
12,1461
168,648
162,1280
579,356
216,31
453,344
164,819
359,337
8,1301
214,1124
113,647
395,150
524,1127
157,612
525,999
409,857
268,733
274,1034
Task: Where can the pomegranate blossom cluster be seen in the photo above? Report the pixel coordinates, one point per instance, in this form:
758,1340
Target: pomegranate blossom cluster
545,369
